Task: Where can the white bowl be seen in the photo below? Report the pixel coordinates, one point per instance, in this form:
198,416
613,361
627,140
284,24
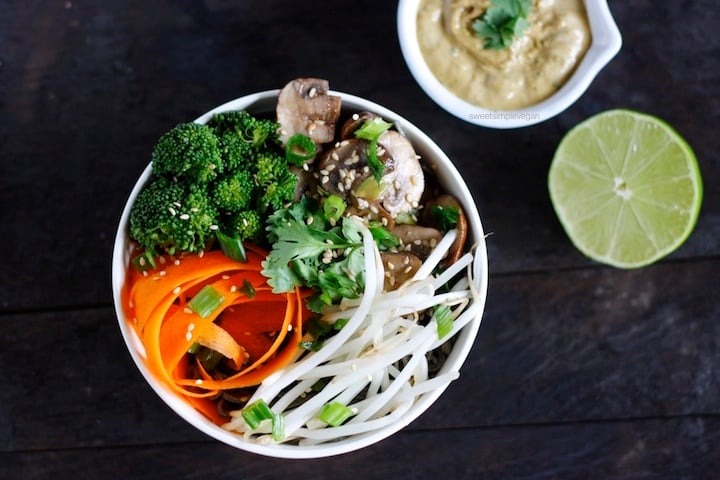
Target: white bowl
605,44
448,177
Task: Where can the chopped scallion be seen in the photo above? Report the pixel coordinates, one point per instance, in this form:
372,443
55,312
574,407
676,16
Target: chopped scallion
371,130
278,427
232,247
443,317
256,412
206,301
299,149
334,207
335,413
247,289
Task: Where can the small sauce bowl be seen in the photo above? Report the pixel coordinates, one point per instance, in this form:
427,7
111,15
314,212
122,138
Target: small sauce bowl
605,43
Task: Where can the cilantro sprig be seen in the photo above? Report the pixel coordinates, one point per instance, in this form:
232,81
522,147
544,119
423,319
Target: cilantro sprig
502,23
311,250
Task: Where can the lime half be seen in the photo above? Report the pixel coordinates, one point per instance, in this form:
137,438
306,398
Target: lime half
626,188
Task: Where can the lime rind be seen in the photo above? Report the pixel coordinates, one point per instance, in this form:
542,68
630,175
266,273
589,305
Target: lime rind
623,209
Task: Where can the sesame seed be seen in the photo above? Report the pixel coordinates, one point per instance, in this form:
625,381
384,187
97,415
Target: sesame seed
306,167
226,277
326,260
310,220
325,180
290,327
188,336
312,92
233,288
407,269
184,216
374,209
201,253
330,167
188,310
145,273
194,209
177,261
324,172
214,227
396,184
198,381
172,211
142,261
191,327
391,266
176,290
334,156
162,273
355,116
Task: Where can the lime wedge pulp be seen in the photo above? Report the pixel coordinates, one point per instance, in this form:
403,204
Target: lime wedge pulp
626,188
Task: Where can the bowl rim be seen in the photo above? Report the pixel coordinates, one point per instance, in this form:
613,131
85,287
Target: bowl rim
466,337
606,42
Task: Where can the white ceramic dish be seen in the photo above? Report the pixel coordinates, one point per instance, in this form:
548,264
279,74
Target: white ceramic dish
606,43
448,177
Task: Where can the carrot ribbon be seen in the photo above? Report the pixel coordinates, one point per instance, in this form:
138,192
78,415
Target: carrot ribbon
258,332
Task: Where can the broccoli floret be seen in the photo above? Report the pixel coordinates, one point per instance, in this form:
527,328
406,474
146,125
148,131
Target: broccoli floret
257,131
234,192
280,192
275,180
172,217
270,166
236,153
247,224
189,151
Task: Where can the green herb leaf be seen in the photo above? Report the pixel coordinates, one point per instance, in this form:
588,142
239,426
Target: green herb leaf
504,21
446,217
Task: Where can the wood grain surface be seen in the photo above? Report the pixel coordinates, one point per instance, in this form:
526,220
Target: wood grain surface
579,371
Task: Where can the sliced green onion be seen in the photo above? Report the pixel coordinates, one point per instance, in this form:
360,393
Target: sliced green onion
206,301
335,413
247,289
299,149
311,345
209,358
340,323
256,412
371,130
443,317
232,247
333,207
144,262
278,427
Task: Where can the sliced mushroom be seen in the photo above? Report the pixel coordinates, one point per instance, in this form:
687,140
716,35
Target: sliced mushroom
343,170
405,182
354,122
417,239
305,107
399,268
429,218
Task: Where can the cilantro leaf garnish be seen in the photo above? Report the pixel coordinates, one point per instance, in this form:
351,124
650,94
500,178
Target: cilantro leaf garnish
308,250
502,23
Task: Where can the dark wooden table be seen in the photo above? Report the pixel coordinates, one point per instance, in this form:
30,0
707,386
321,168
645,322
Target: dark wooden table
580,371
